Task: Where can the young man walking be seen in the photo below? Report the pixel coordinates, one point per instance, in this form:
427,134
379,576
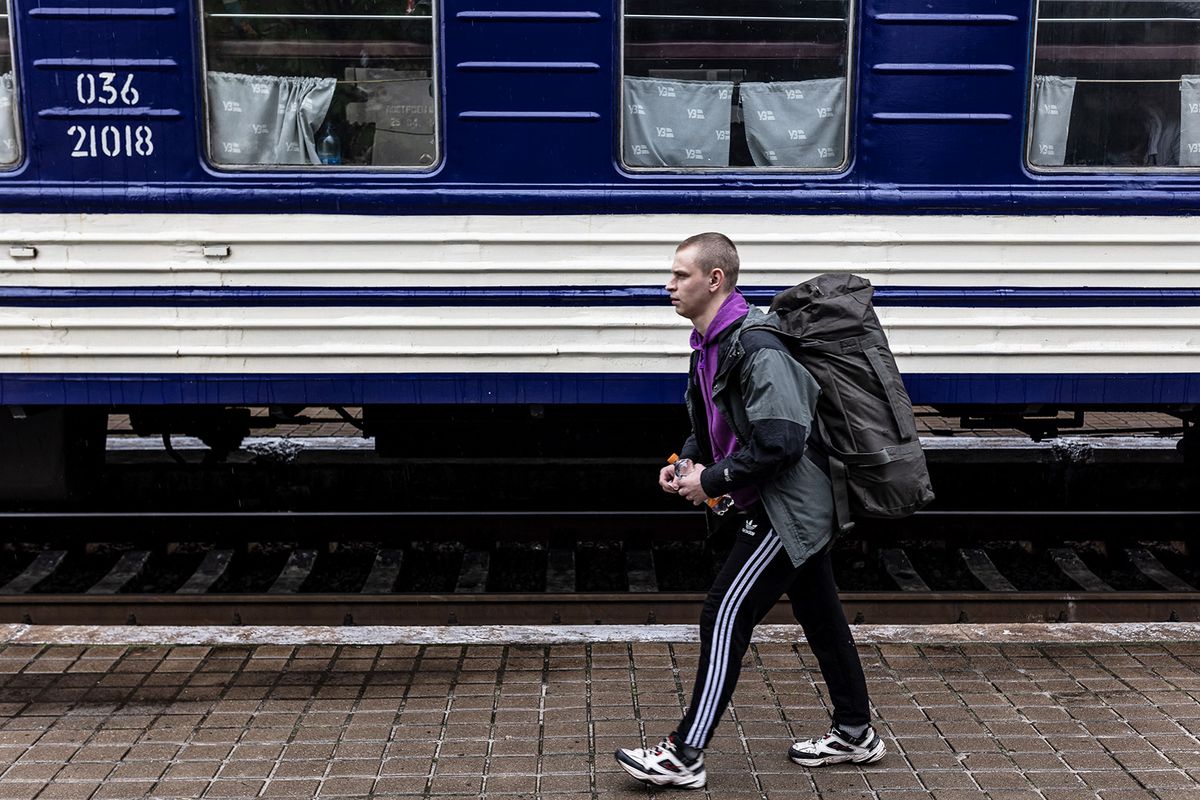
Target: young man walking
753,408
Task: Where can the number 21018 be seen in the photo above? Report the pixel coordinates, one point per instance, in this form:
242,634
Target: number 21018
93,141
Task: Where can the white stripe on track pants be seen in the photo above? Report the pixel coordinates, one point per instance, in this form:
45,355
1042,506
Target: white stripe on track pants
756,574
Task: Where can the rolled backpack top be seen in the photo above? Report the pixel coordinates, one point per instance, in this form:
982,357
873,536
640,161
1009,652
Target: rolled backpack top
864,414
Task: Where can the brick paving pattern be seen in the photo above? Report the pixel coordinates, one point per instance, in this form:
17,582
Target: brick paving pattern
968,721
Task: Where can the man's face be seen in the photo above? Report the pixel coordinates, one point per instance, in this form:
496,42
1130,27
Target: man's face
689,287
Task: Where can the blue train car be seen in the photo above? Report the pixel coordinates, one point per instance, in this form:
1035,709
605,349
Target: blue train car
470,205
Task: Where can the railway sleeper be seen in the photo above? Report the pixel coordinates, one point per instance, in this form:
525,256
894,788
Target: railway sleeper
128,567
639,567
209,572
473,575
981,566
897,564
384,572
560,570
295,572
1073,567
42,567
1148,565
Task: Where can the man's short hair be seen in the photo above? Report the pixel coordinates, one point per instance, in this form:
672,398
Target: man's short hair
714,250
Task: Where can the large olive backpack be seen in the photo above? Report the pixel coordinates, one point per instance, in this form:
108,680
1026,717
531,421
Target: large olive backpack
864,415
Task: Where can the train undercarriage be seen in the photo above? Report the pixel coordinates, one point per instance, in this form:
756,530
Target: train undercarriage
54,453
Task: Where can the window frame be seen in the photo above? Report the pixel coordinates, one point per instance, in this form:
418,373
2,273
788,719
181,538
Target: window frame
18,116
1031,108
435,10
840,169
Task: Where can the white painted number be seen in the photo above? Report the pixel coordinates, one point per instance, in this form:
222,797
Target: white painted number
111,140
85,88
108,92
129,95
81,132
101,87
142,144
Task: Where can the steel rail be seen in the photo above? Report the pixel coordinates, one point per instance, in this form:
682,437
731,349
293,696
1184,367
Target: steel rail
226,527
523,526
534,516
174,515
308,526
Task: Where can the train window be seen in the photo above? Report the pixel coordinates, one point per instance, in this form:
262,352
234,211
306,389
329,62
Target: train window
754,85
1116,85
10,140
321,83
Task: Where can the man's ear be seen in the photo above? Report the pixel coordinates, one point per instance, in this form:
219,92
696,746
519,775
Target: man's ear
716,279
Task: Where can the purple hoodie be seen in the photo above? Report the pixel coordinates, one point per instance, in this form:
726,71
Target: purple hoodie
732,311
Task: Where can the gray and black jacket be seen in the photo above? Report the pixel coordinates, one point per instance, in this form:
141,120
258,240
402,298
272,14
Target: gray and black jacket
769,402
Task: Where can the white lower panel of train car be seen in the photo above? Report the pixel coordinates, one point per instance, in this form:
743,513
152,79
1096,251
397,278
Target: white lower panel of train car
295,294
524,340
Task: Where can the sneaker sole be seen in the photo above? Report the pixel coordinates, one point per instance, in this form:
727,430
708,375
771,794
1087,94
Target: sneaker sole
650,779
869,757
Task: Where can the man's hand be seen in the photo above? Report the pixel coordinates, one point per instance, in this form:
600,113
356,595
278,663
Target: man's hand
689,486
666,479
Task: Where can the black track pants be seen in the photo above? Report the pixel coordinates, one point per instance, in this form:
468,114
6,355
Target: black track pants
754,577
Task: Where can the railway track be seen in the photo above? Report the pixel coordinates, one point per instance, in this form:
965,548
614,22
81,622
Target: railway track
573,568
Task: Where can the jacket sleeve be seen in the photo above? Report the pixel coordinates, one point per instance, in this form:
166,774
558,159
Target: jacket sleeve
780,397
690,448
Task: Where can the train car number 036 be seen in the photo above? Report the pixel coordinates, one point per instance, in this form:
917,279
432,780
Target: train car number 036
102,88
93,141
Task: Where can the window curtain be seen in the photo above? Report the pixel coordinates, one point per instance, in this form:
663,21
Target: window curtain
400,106
266,119
670,123
1052,100
8,120
1189,121
1162,137
795,123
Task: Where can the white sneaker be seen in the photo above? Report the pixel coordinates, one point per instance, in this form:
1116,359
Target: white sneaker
836,747
663,765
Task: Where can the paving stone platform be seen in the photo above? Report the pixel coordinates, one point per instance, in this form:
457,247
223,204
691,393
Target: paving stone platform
972,717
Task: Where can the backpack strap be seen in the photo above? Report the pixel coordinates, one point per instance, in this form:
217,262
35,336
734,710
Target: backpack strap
884,456
841,494
839,479
888,379
854,344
